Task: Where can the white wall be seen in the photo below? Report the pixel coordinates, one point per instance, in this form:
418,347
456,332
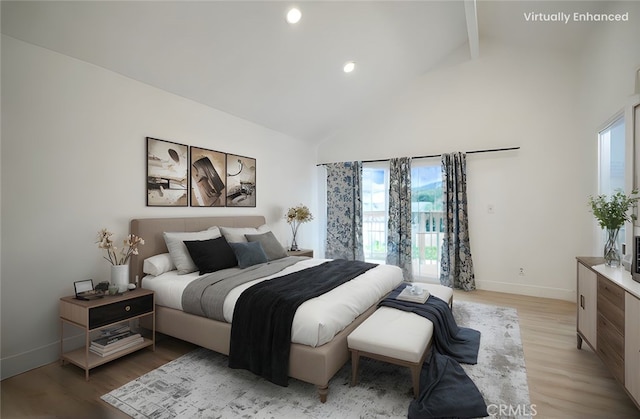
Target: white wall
608,69
73,161
507,97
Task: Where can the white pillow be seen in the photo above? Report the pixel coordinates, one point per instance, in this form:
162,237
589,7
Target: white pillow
178,250
236,234
158,264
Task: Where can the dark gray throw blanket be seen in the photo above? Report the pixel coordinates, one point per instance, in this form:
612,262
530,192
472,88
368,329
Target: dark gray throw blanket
263,315
445,389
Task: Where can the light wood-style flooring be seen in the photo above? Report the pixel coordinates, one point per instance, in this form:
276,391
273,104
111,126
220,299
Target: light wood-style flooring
563,382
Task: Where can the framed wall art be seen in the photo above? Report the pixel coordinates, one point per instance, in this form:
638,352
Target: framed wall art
241,181
167,173
208,170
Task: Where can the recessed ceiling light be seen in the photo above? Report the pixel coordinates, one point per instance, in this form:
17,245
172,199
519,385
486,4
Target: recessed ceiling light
294,15
349,67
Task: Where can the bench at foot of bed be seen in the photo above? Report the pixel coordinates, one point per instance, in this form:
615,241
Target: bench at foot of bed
397,337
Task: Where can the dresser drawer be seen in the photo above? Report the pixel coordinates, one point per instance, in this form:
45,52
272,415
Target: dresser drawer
614,314
610,337
611,359
611,292
610,305
121,310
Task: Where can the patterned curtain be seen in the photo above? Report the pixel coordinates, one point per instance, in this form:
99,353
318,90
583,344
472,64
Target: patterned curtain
344,211
399,225
456,265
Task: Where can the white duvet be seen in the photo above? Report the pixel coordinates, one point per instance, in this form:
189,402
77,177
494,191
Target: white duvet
317,320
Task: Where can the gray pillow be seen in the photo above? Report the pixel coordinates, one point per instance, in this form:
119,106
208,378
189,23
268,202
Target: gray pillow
248,254
236,234
272,247
178,250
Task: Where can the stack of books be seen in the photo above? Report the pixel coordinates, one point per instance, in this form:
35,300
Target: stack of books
414,294
114,340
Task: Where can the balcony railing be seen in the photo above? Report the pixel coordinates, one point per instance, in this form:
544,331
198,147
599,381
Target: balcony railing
427,233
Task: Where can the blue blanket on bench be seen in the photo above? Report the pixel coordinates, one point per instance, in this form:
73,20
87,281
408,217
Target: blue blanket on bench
445,389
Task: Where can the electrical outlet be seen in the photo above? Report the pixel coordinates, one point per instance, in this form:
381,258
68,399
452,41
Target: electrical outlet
521,273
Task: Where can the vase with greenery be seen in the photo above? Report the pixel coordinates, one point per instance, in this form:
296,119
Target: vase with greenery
296,216
611,215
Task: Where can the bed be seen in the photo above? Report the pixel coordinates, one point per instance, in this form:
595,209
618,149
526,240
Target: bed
309,361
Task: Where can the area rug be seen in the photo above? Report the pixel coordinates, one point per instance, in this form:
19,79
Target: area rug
200,385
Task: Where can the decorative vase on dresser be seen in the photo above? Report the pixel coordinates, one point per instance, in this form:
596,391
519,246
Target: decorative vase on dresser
611,253
120,276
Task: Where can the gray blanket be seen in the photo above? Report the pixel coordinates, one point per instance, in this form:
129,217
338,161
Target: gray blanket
205,296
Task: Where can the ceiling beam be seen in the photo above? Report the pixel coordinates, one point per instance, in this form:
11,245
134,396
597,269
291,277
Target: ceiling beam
471,13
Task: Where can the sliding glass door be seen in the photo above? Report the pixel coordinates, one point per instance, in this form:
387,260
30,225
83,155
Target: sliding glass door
426,211
427,223
375,207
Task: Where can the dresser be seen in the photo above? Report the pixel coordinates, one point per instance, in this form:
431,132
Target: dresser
608,320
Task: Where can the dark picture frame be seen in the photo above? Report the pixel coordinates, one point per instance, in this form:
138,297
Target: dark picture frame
241,181
167,173
208,180
83,286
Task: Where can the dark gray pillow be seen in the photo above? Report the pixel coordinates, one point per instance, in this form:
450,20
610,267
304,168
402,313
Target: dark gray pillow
272,247
211,255
248,254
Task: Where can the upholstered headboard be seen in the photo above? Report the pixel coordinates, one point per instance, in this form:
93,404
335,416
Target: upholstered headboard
151,229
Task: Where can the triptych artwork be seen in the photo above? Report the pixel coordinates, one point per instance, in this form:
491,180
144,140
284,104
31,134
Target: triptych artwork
179,175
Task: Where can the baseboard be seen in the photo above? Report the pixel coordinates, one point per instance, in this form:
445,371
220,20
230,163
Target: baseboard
25,361
530,290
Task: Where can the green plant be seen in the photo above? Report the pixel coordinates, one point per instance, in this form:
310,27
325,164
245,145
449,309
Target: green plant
613,213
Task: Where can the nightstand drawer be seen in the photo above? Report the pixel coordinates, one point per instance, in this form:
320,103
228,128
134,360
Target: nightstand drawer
121,310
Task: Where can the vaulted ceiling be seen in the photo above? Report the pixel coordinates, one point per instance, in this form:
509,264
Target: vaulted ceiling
243,58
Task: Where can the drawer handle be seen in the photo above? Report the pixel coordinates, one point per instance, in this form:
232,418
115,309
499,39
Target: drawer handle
127,308
581,300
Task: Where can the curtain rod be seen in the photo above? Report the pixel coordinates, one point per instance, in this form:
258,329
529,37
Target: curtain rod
491,150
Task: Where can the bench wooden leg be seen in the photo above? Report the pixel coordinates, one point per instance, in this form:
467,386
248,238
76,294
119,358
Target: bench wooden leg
355,362
415,377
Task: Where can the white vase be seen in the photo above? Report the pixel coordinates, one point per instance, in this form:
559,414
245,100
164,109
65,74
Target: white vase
120,276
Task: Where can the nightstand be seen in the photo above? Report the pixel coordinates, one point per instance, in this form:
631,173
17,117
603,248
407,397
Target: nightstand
101,313
301,252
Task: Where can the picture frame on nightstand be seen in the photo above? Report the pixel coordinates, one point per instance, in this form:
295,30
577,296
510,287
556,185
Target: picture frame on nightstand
84,290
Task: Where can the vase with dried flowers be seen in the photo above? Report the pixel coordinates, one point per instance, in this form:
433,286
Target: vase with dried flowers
611,215
296,216
119,259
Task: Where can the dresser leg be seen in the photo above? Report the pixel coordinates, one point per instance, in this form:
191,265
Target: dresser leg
579,343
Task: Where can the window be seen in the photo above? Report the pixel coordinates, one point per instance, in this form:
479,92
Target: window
611,164
426,212
612,157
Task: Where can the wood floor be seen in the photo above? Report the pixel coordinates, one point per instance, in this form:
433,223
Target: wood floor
563,382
